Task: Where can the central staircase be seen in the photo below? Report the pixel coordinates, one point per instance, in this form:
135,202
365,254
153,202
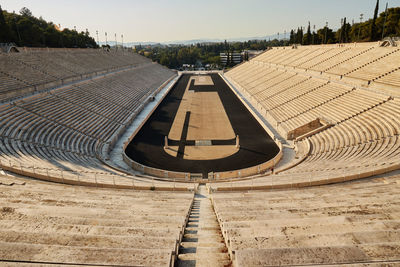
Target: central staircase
202,243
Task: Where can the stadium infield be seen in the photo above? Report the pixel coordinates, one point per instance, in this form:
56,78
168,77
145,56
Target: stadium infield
201,120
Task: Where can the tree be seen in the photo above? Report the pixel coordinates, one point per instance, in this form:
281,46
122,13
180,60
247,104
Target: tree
292,39
326,35
373,34
299,35
308,34
27,30
5,32
343,33
315,38
346,31
392,25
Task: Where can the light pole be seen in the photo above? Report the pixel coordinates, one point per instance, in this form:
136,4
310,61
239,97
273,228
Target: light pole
359,28
97,34
116,46
122,38
106,39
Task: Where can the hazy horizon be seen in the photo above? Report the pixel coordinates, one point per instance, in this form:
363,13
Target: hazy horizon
177,20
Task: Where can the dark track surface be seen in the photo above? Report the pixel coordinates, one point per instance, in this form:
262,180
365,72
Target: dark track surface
256,146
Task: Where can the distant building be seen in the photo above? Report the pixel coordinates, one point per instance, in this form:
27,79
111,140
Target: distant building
231,58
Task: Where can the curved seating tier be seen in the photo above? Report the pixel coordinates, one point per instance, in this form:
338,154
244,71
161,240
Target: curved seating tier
44,223
60,134
364,135
36,70
345,104
392,78
365,61
338,224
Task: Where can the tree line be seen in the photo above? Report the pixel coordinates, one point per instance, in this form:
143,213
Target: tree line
24,29
173,56
387,24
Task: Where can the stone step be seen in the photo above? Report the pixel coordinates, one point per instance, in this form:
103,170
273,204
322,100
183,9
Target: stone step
209,228
212,250
83,255
207,220
192,224
209,231
38,227
203,235
205,254
203,244
201,225
98,241
206,224
215,260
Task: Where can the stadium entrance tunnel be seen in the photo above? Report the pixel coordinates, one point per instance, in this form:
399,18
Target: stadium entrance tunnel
201,128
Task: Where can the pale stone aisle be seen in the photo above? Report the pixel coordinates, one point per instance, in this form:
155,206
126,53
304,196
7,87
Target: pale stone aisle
202,244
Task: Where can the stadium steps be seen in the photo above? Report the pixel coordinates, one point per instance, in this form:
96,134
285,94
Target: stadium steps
48,135
309,58
370,62
92,110
74,128
337,136
290,87
327,59
261,98
350,58
295,108
385,74
47,69
354,157
302,94
359,223
291,56
202,243
321,104
59,224
62,255
281,86
365,110
36,68
84,89
14,81
56,122
260,87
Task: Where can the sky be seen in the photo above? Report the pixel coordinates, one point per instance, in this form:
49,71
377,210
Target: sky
173,20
